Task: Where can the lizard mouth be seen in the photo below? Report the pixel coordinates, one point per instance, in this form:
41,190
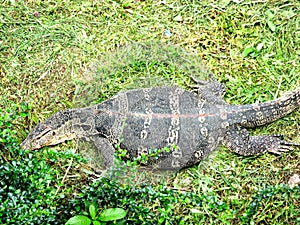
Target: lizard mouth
28,145
36,144
60,139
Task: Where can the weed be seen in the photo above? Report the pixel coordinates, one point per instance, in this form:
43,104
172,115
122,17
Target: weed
107,215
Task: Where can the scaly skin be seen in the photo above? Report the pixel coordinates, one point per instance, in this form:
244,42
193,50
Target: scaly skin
141,120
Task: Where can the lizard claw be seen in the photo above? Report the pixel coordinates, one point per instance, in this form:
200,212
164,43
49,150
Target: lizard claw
277,135
280,146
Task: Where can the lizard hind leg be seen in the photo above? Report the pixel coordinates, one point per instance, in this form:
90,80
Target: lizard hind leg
212,90
238,140
212,85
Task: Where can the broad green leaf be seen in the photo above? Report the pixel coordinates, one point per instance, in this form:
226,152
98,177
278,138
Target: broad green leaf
79,220
95,222
248,50
121,222
271,25
23,114
93,211
269,14
112,214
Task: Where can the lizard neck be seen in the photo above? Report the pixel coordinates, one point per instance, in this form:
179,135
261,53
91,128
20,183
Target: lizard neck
81,122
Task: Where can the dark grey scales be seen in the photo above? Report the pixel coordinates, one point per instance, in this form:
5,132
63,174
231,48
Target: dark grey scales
153,118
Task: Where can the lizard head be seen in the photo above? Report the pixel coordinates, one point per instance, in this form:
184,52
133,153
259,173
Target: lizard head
52,131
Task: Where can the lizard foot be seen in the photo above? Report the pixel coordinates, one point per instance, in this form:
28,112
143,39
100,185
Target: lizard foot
279,146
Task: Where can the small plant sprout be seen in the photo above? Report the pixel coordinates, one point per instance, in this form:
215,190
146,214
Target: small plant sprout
107,216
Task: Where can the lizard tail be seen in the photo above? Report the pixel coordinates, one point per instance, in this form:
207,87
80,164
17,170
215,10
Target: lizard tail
254,115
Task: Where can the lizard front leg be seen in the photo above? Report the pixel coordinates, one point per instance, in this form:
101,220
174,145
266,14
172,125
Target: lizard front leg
238,140
101,153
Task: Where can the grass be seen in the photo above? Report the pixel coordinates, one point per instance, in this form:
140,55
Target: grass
46,51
